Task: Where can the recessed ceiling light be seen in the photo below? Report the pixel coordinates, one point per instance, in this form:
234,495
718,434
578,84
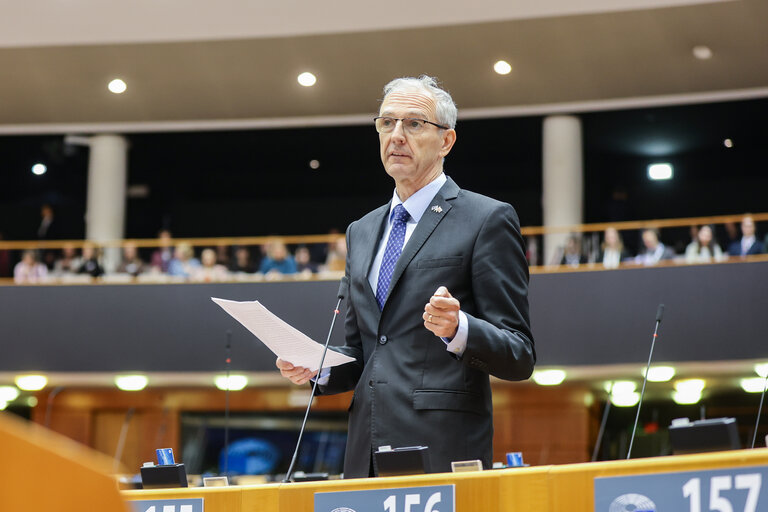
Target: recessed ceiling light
131,382
39,169
702,52
548,377
662,171
31,382
753,384
314,164
660,373
728,143
233,383
117,86
307,79
502,67
8,393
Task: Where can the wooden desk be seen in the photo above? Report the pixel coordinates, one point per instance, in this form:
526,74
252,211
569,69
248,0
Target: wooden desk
535,489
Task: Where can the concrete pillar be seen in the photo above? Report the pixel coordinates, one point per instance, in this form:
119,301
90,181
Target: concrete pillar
562,180
105,211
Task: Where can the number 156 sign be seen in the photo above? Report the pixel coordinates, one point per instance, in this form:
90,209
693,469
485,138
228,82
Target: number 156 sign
433,498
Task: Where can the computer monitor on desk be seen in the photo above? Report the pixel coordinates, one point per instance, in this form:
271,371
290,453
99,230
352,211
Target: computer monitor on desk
701,436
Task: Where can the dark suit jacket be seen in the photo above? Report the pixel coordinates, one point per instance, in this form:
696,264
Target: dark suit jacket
409,390
756,248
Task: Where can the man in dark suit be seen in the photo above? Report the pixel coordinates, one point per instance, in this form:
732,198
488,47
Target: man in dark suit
438,298
748,244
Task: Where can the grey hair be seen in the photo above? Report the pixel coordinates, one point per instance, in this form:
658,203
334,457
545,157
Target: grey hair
445,109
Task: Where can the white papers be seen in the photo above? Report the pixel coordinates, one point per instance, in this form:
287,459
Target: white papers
287,342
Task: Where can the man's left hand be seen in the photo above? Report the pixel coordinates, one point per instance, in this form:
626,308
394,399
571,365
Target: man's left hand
441,314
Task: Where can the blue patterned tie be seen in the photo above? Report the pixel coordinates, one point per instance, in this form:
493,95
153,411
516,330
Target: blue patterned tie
400,217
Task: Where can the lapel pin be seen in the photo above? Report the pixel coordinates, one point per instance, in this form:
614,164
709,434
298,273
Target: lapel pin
436,209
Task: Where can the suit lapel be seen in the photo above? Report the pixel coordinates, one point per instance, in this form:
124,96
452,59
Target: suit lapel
435,213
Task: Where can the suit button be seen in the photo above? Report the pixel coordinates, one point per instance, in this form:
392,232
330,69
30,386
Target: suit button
370,383
382,340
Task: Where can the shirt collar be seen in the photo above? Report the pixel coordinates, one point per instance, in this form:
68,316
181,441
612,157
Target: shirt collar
417,204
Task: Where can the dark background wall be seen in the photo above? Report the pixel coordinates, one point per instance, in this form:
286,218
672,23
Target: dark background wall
712,312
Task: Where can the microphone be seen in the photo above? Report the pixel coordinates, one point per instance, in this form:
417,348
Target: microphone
759,412
343,289
228,361
659,315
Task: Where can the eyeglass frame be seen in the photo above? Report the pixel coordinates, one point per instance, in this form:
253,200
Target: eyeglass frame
403,119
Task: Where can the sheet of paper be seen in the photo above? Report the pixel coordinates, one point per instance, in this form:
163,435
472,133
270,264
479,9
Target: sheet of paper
284,340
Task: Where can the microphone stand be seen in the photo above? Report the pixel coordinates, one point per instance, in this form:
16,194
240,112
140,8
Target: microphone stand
760,411
659,314
314,385
228,362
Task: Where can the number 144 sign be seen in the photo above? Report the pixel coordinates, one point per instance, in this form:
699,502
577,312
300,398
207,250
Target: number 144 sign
721,490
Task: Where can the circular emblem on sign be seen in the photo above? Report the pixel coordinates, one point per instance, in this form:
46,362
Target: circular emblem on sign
342,509
632,503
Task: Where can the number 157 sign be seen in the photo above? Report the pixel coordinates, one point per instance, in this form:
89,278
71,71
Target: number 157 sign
721,490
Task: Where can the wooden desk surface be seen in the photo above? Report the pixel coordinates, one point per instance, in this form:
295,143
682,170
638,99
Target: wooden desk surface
534,489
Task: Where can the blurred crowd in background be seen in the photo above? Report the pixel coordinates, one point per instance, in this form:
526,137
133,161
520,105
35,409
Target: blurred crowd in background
172,260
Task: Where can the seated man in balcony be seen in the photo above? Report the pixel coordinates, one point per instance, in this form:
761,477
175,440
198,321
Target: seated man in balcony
278,260
749,244
29,270
655,251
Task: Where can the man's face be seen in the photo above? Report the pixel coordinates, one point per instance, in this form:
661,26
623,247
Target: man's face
748,227
413,159
650,240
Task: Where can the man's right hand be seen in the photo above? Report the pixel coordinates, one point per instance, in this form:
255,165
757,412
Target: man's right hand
296,374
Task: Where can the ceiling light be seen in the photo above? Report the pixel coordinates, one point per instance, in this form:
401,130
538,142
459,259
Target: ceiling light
688,391
31,382
623,387
750,385
3,405
762,369
502,67
660,373
548,377
117,86
661,171
702,52
625,399
236,382
8,393
728,143
39,169
314,164
307,79
131,382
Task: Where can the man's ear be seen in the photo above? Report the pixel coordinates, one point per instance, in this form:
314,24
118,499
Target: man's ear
449,139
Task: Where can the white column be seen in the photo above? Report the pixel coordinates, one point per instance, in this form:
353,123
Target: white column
105,210
562,179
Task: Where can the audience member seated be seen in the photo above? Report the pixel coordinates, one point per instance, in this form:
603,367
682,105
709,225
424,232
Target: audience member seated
749,244
572,254
69,262
704,248
222,254
304,265
242,264
131,263
612,251
29,270
337,256
277,260
654,251
209,271
90,264
161,258
183,262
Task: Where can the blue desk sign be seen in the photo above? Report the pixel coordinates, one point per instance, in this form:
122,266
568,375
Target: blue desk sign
723,490
168,505
433,498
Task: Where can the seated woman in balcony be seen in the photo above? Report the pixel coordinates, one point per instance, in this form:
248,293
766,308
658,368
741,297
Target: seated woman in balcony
704,248
612,252
29,270
209,271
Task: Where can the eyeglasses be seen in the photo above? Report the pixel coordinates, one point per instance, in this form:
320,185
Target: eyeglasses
410,125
